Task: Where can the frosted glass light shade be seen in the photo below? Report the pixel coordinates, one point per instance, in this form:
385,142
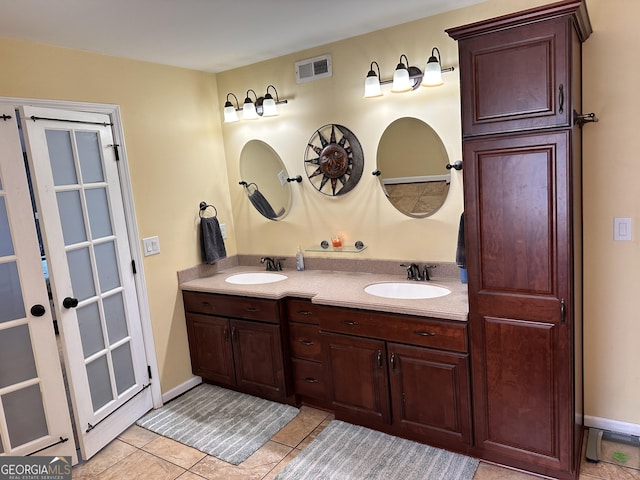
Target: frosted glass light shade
249,111
269,108
432,74
230,114
401,81
372,87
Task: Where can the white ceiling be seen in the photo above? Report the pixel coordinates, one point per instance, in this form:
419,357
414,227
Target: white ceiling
208,35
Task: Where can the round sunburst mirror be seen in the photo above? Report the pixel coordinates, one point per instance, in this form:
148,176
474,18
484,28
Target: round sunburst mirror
333,160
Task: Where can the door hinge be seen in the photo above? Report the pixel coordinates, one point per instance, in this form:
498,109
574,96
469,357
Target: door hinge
115,150
133,267
149,371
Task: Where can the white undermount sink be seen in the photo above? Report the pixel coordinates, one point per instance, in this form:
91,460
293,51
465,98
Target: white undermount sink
255,278
405,290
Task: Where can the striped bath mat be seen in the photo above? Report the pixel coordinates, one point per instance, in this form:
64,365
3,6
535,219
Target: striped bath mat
348,452
226,424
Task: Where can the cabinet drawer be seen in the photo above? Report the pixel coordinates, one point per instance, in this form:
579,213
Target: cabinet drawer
302,310
308,378
304,340
421,331
236,306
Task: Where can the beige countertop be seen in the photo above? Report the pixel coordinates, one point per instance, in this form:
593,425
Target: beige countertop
344,289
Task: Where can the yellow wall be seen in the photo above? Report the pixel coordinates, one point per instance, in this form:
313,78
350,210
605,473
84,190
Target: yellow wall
180,154
175,155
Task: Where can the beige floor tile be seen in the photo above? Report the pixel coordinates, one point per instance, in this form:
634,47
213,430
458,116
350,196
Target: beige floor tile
254,468
297,429
309,438
142,466
106,458
137,436
608,471
174,452
486,471
189,476
283,463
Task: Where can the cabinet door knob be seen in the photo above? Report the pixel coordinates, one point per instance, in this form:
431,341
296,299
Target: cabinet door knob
379,359
392,360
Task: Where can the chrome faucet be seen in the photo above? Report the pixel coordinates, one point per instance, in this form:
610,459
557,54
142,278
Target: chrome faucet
272,265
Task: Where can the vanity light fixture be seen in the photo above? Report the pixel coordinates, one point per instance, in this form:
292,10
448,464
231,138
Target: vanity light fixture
269,104
433,71
252,109
231,112
372,82
249,111
406,77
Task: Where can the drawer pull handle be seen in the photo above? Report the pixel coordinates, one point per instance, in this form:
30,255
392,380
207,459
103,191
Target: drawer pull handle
306,343
379,358
226,334
424,334
348,322
392,360
234,334
311,380
304,312
252,309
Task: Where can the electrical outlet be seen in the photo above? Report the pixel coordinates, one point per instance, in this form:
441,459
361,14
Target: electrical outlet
223,230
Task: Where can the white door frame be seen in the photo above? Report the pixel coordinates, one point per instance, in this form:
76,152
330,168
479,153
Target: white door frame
130,215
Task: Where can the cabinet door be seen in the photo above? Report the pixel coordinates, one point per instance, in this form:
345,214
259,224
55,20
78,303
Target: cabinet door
257,352
517,215
430,393
210,348
516,78
358,377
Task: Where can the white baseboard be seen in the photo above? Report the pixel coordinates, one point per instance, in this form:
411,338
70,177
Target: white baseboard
612,425
180,389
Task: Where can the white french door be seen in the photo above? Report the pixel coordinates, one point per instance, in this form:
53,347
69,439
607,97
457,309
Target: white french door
75,179
34,416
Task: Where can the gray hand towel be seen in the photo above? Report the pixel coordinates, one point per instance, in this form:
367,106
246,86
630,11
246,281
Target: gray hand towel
262,205
461,251
211,240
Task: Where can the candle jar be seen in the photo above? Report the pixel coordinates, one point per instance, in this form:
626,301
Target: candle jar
336,241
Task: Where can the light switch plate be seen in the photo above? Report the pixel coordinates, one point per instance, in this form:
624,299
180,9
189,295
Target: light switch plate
622,229
150,246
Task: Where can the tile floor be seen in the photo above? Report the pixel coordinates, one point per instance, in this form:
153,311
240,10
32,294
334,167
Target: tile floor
143,455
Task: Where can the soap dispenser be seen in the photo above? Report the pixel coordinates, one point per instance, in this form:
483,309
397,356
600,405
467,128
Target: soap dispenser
299,260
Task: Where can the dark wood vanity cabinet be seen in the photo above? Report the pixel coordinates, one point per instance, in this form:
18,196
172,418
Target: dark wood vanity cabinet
236,342
520,82
307,368
400,374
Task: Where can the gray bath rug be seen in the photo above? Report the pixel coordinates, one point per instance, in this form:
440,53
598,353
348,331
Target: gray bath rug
220,422
349,452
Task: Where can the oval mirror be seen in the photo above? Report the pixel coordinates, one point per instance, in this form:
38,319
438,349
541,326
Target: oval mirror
264,179
412,162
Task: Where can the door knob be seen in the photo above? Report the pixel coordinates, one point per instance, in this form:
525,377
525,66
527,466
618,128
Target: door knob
70,302
37,310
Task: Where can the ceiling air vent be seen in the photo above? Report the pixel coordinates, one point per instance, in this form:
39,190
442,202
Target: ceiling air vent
313,68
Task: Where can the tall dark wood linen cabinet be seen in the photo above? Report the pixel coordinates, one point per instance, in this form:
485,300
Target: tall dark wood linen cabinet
520,82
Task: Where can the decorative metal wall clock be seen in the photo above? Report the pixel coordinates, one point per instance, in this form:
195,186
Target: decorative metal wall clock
333,160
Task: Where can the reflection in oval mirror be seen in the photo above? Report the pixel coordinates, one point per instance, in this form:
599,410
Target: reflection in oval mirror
265,180
413,162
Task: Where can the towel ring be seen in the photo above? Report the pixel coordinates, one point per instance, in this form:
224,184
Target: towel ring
204,206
